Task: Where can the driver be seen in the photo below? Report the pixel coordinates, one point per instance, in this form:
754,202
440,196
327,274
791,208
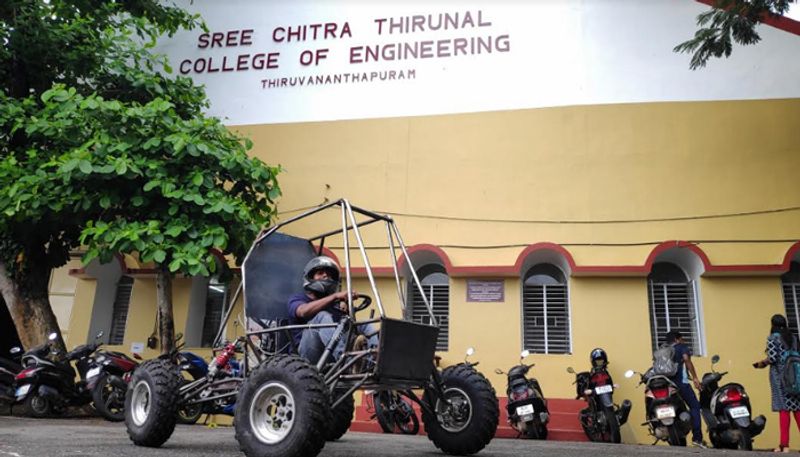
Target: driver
321,303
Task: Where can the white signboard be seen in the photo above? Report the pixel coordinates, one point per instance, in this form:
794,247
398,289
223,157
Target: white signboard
273,62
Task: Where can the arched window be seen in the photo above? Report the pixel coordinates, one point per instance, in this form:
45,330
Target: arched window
791,295
545,311
673,305
436,285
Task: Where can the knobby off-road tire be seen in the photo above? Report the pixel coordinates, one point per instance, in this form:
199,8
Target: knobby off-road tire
283,409
342,417
109,399
471,424
406,418
152,402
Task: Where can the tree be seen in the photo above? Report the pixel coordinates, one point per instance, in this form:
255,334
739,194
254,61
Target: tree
101,146
728,22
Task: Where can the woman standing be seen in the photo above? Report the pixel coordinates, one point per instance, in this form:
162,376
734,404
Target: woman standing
780,340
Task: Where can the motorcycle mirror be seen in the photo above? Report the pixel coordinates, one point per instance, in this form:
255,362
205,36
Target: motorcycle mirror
714,359
137,356
179,336
525,353
470,351
629,374
15,350
52,336
570,370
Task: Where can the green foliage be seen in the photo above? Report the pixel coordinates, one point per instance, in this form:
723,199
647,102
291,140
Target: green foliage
728,22
100,146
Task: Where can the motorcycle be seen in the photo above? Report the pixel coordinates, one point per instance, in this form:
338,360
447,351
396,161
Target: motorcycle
527,407
213,387
727,413
9,367
602,419
108,380
668,418
393,411
46,384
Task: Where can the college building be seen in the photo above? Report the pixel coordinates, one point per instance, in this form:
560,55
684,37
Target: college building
561,177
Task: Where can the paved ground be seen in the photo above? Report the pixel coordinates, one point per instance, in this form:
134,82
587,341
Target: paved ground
21,437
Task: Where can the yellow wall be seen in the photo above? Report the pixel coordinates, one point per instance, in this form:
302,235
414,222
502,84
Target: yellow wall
615,162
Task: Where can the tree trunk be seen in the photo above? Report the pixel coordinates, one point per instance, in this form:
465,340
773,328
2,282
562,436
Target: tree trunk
166,324
31,312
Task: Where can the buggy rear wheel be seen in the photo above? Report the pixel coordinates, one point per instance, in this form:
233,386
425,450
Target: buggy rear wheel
283,409
151,403
466,419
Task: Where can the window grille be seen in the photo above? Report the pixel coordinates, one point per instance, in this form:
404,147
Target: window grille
545,311
119,314
436,285
216,300
673,307
791,296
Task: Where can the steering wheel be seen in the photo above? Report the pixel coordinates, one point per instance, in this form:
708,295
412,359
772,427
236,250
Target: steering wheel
366,300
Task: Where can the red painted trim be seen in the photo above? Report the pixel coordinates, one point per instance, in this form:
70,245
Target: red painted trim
435,250
515,270
779,22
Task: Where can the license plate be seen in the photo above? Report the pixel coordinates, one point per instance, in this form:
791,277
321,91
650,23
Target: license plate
93,372
739,411
666,412
525,409
603,389
23,390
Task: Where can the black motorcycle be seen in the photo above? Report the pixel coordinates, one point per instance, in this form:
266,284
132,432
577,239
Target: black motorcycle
394,412
727,413
527,407
667,416
9,368
601,419
47,384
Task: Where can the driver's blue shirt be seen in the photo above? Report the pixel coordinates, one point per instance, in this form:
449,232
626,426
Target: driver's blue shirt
295,301
681,376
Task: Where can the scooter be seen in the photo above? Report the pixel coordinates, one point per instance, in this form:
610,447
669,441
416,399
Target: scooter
108,380
527,407
727,413
667,416
602,419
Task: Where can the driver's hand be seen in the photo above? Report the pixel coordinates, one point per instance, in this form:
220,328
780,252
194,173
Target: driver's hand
341,298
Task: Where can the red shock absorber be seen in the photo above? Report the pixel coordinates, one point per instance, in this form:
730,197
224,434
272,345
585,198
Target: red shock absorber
221,359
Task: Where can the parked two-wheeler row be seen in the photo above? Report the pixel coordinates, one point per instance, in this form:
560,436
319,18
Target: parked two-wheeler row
46,383
725,409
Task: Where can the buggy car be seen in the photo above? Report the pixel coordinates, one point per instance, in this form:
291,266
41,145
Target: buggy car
288,406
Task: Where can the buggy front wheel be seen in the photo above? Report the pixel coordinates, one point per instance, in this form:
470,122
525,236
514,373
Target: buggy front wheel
465,418
283,409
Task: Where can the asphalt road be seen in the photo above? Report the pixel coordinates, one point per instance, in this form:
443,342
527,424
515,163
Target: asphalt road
21,437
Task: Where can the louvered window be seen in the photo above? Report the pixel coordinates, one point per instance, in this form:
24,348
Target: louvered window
119,316
216,299
673,305
791,296
545,311
436,285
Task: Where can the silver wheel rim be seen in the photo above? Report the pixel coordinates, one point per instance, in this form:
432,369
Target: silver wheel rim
140,403
272,413
455,413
